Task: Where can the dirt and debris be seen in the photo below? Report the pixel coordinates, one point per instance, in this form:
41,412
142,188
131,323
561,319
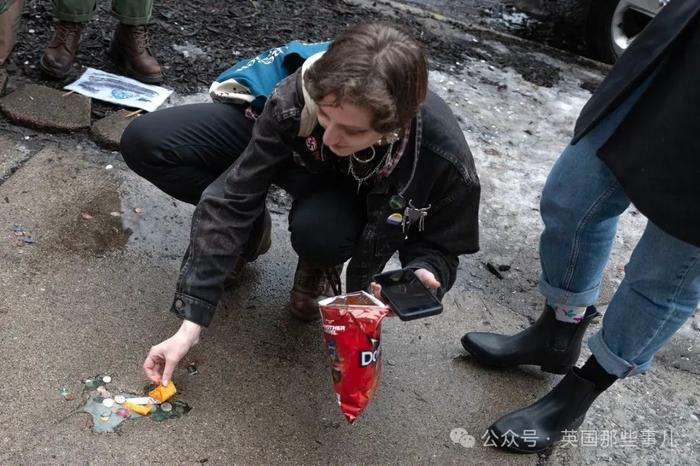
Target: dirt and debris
194,41
23,235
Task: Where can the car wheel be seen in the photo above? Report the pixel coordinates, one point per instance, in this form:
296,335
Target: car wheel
613,25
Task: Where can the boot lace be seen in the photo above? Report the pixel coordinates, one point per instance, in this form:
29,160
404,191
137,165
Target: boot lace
141,38
65,32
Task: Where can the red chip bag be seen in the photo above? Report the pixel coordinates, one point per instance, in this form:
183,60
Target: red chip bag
352,332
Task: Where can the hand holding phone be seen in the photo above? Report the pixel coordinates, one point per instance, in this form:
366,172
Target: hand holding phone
408,297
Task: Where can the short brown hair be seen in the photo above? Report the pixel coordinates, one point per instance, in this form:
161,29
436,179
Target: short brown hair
374,66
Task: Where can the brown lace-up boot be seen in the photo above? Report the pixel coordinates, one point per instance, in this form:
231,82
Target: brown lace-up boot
310,285
59,56
131,52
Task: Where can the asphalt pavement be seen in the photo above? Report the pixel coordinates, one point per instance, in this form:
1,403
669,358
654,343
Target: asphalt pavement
91,252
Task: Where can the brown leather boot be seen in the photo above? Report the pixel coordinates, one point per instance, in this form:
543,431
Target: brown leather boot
131,52
59,56
310,285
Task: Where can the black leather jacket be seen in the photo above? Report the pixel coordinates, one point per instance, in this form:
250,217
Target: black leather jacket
436,170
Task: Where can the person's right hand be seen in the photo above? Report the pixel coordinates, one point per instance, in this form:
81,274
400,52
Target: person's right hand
163,357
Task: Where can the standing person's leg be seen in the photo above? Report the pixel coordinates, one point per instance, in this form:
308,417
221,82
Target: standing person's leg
10,14
660,291
130,47
580,206
74,11
59,55
132,12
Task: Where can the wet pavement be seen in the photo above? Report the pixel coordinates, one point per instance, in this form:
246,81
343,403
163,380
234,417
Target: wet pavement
89,295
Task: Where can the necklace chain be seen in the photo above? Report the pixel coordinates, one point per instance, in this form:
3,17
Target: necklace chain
362,179
351,166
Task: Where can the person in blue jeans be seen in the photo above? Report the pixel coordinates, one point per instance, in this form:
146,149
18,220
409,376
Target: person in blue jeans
636,141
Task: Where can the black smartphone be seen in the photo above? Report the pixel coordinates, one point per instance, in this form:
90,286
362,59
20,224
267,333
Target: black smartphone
407,295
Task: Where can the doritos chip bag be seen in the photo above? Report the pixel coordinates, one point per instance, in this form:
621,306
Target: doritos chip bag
352,332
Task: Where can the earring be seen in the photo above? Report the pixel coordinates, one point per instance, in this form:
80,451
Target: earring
389,138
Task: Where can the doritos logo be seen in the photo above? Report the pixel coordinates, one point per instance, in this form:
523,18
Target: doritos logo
370,357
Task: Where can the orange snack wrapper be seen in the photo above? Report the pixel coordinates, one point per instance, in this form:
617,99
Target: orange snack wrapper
352,333
163,393
143,410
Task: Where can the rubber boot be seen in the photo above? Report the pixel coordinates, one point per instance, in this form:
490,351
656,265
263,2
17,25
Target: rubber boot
312,284
549,343
542,424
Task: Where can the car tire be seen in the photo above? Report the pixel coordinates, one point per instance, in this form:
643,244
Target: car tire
611,26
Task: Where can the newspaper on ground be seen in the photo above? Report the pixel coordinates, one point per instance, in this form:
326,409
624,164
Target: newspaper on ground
119,90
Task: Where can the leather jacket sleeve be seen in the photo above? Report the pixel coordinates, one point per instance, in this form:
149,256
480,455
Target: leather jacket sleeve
451,229
223,219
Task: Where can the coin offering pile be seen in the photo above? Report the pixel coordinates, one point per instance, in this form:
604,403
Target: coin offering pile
109,409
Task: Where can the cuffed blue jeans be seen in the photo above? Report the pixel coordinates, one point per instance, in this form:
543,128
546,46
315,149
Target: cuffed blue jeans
580,206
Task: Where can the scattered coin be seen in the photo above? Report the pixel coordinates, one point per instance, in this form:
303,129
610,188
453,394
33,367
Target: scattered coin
166,407
120,399
108,402
106,379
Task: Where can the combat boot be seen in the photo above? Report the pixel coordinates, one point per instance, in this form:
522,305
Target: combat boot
131,52
59,56
549,343
312,284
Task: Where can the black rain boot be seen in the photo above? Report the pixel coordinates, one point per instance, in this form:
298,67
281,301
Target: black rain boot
549,343
540,425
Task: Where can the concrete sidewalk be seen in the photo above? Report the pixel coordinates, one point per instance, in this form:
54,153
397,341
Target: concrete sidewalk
90,295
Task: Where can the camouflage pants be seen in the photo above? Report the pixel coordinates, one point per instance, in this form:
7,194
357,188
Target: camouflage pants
133,12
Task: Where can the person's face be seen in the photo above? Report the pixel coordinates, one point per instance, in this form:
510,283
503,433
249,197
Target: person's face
347,126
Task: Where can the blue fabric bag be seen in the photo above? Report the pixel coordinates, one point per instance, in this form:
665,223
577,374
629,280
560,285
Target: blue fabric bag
252,81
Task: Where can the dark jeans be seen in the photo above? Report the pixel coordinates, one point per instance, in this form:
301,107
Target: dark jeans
186,150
